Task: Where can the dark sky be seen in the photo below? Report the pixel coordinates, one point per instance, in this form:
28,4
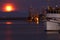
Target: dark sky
23,5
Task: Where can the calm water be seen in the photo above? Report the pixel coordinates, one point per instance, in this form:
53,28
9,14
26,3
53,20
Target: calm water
21,30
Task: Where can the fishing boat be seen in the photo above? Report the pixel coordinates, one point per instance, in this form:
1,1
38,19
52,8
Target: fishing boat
53,19
33,17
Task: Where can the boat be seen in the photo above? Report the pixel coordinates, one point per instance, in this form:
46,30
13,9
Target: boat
33,17
53,19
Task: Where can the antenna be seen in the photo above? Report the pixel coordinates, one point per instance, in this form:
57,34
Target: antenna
56,3
48,3
30,11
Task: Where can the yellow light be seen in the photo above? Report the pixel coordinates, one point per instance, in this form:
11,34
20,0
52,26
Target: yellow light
36,19
8,7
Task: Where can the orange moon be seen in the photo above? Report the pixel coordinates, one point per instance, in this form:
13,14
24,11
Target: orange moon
8,7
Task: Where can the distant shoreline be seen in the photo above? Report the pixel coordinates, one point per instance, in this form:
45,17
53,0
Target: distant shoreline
13,18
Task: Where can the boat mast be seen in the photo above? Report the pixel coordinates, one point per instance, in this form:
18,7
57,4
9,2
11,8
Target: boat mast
30,11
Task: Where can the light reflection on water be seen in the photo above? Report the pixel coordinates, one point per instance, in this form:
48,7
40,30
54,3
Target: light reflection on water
8,22
21,29
16,22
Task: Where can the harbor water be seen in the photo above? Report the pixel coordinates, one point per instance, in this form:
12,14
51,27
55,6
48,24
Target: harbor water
21,30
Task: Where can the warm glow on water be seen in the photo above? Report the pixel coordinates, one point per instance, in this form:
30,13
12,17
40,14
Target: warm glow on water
8,23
